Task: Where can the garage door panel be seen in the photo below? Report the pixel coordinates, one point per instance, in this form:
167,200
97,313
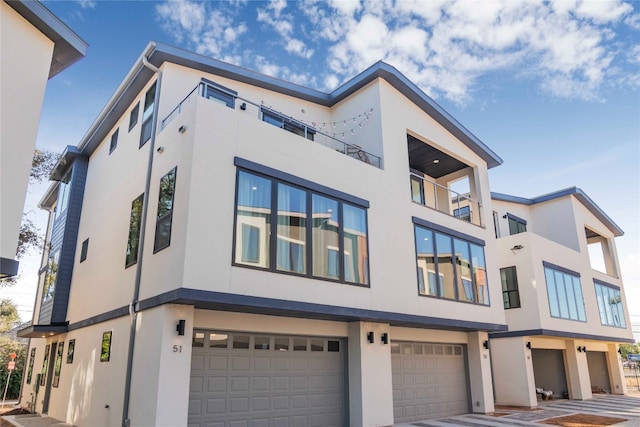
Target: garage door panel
267,382
429,380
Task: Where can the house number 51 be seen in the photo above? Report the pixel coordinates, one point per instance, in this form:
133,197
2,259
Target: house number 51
177,349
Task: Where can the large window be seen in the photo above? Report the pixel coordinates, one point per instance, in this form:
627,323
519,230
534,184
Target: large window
510,292
565,293
610,305
165,211
450,267
516,225
134,231
313,234
147,115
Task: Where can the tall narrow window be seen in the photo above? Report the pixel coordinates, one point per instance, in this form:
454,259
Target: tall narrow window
445,265
58,365
253,220
30,368
64,191
165,211
355,244
84,250
105,348
292,229
45,364
49,288
463,271
133,116
325,237
427,274
496,224
417,190
510,292
479,274
147,115
114,141
134,231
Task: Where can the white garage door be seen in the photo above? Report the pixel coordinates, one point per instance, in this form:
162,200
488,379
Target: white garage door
243,380
429,380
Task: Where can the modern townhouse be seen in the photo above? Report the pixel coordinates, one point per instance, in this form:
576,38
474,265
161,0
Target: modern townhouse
563,297
35,47
227,248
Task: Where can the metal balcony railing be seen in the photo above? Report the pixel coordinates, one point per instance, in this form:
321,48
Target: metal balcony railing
284,122
436,196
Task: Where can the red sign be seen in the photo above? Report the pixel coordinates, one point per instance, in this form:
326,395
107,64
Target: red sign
11,366
12,356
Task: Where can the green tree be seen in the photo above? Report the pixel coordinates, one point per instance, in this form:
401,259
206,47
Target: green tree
9,343
30,237
629,349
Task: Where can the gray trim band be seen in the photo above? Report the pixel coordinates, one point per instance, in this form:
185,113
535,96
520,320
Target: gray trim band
292,179
441,229
553,333
560,268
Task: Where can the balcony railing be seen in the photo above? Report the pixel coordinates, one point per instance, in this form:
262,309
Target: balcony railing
284,122
436,196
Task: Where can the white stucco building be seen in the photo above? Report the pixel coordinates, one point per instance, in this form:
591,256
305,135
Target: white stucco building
563,296
34,46
227,248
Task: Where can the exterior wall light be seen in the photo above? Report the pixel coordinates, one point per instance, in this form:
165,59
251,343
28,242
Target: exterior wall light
182,129
528,345
385,338
180,327
370,337
485,344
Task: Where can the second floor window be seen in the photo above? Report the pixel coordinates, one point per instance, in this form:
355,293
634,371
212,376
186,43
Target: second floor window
610,305
285,228
147,115
64,192
450,267
49,288
564,291
510,292
114,141
516,225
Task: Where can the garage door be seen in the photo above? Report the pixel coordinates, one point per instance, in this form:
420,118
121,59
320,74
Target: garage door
243,379
429,380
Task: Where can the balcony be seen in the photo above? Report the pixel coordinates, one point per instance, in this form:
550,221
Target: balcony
218,94
429,193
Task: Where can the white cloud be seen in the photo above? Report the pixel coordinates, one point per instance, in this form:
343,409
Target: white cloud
570,48
87,4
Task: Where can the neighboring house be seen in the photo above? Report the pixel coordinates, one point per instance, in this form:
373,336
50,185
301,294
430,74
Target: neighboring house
227,247
35,47
563,297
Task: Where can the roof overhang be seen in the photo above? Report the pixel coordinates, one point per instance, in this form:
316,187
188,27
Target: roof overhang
68,46
42,331
66,159
580,195
158,53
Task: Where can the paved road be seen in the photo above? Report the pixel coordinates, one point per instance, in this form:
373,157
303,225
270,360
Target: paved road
625,407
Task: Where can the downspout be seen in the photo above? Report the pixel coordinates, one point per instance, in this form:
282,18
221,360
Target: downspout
133,306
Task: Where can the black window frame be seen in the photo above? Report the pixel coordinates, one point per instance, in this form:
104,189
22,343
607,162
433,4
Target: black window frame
604,322
507,302
132,260
71,350
114,141
147,115
277,177
453,235
519,224
133,116
287,123
556,269
167,217
216,92
84,250
57,366
105,347
30,366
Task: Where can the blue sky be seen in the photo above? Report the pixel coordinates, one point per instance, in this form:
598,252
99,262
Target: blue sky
552,88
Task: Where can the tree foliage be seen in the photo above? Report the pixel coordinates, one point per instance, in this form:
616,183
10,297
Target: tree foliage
42,165
9,319
629,349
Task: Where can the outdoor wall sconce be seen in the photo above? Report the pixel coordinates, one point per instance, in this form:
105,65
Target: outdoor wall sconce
619,351
243,106
485,344
517,247
385,338
529,345
370,337
182,129
180,327
582,349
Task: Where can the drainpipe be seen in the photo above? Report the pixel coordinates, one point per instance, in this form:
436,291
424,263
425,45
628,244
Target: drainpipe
133,306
